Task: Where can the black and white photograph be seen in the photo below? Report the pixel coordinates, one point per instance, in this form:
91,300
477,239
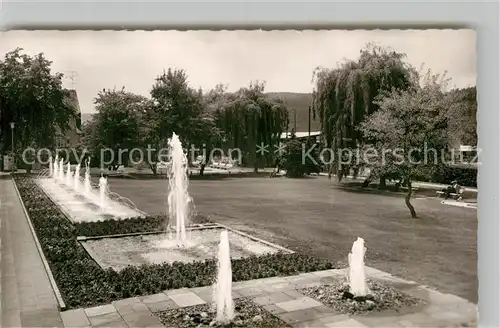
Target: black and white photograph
239,178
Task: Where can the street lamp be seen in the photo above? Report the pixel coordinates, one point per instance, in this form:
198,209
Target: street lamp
12,125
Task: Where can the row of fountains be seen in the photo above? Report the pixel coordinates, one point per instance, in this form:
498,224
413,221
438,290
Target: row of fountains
179,203
223,288
73,179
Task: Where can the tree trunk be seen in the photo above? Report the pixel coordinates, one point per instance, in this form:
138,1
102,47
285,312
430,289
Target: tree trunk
153,168
382,184
408,204
367,181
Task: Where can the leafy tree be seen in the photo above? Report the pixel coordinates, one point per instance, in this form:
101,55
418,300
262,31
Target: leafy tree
462,123
248,119
117,122
408,133
33,98
344,96
176,107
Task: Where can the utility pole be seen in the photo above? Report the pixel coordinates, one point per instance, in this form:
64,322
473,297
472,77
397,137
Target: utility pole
309,123
12,125
295,120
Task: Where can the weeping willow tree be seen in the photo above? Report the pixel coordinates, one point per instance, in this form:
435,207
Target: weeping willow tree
249,119
344,96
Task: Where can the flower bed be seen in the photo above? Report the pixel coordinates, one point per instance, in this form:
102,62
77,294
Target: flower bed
152,223
83,283
382,297
247,314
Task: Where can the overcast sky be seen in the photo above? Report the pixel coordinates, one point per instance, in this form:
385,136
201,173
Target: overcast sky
284,59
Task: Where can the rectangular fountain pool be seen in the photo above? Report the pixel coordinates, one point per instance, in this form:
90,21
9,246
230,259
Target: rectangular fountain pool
84,208
121,251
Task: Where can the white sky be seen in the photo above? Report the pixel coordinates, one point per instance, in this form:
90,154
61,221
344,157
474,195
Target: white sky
284,59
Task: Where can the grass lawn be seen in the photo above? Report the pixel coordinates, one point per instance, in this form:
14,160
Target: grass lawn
317,217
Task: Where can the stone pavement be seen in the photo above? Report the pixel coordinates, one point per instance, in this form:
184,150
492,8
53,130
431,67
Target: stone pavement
278,296
27,296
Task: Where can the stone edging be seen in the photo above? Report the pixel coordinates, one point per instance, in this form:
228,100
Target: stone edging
48,271
214,225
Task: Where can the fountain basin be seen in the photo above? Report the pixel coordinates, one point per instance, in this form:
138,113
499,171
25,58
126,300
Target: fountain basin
80,208
120,251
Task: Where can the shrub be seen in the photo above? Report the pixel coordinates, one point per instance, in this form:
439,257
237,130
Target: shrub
294,165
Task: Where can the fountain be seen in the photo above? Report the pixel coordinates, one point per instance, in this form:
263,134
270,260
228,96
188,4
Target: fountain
357,277
86,181
61,169
76,182
55,173
178,197
51,167
68,174
103,184
223,289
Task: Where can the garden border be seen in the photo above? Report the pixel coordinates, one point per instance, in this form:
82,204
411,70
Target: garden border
48,271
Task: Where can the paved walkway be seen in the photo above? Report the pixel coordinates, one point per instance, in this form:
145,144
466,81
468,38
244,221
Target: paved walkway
27,296
278,296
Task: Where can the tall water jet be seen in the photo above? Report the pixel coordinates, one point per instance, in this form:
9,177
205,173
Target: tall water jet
68,174
357,277
76,180
223,288
55,173
103,184
51,167
61,169
178,197
86,181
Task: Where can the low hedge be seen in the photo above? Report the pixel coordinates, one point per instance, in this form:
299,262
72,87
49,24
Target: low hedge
466,176
107,227
83,283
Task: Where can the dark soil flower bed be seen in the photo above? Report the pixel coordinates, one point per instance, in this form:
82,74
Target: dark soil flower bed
382,297
83,283
248,314
153,223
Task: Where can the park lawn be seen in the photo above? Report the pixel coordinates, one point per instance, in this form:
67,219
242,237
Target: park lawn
319,218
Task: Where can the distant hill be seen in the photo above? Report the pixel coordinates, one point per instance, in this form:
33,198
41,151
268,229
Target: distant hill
86,117
298,101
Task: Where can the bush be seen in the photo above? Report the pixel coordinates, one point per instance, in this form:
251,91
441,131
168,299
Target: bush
294,166
466,176
83,283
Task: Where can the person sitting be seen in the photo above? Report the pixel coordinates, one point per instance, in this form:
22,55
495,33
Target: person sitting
453,188
277,167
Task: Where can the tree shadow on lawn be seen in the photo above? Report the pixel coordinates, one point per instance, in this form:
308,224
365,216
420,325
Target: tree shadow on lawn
390,190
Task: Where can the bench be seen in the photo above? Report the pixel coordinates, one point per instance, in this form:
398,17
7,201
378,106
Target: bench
455,196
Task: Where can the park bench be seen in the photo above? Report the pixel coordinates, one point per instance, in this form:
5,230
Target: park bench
456,196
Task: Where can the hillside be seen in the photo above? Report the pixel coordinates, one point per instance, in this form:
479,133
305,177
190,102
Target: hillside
86,117
300,102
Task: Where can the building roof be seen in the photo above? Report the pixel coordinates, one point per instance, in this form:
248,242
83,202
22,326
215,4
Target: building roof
286,135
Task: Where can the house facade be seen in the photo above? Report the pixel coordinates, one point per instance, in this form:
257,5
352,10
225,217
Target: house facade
71,137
